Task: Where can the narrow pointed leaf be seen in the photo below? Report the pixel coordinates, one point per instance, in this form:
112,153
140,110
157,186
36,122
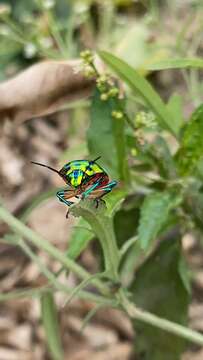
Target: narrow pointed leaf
51,326
179,63
141,86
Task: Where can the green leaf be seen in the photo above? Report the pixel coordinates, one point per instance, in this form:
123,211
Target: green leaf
154,214
184,274
193,205
50,322
80,238
132,46
115,199
175,107
182,63
191,150
106,137
125,224
141,86
158,288
134,257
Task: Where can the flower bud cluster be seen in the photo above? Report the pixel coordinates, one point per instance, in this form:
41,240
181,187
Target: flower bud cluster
117,114
88,67
87,57
145,120
104,82
106,87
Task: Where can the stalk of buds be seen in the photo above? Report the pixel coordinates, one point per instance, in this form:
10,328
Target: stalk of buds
104,82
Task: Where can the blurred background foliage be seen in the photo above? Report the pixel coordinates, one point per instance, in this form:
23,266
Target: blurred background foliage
32,30
158,190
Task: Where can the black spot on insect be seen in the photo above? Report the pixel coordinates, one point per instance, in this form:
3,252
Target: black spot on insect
88,168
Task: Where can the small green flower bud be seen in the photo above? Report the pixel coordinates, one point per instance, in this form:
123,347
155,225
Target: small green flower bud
134,152
87,56
85,53
145,119
89,72
102,79
101,87
139,136
117,114
104,96
113,92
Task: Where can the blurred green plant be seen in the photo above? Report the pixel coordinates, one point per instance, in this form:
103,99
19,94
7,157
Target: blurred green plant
145,144
158,197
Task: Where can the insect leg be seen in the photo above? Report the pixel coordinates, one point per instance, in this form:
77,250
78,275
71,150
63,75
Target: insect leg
97,194
87,192
63,195
107,188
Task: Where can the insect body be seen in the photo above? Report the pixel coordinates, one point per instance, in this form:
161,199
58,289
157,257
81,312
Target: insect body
85,179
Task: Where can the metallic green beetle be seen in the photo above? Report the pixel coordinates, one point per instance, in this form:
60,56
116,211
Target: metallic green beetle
85,178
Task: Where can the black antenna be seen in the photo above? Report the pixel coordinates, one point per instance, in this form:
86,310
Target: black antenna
46,166
99,157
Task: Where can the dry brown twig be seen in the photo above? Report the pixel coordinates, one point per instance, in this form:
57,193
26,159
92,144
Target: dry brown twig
42,89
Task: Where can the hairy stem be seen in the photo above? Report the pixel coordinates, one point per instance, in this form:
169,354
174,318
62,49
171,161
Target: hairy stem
103,228
136,313
35,292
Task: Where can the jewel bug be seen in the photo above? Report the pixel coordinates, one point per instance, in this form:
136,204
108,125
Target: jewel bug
86,178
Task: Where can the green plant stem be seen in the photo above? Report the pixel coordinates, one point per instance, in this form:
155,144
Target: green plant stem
54,31
132,311
90,315
24,293
166,325
16,30
106,22
41,243
127,245
103,228
81,286
42,267
129,121
86,295
101,224
111,254
52,277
